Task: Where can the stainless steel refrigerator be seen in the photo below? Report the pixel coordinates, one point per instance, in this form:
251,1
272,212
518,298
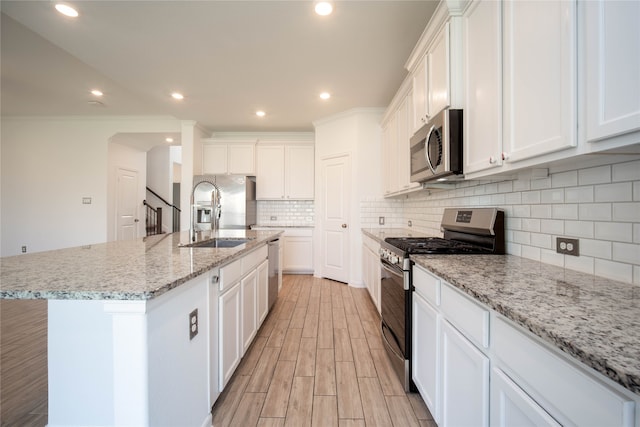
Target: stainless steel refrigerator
237,199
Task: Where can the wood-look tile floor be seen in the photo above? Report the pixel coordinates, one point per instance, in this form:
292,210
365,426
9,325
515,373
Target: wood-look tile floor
23,363
318,360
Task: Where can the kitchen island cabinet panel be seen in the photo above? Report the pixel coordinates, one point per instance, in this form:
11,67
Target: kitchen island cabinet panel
249,290
230,333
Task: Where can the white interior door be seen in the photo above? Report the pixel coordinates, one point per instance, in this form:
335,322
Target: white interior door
336,180
126,205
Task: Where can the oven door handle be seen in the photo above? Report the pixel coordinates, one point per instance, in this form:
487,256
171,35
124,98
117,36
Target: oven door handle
391,270
389,346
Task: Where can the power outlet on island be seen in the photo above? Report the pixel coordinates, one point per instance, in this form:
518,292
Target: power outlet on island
193,324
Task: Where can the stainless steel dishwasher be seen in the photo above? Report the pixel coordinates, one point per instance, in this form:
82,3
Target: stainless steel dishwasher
274,271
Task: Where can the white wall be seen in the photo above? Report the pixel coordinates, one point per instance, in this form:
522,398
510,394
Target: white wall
48,165
356,132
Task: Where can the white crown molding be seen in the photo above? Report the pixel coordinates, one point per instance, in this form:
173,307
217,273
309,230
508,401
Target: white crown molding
349,113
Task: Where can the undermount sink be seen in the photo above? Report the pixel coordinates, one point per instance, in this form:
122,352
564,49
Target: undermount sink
219,242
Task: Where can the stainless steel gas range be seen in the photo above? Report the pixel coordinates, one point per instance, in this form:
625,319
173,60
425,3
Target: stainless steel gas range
466,231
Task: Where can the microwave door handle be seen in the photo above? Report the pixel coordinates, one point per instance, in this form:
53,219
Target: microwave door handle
426,148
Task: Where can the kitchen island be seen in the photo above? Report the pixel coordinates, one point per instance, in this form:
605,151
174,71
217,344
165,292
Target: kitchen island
121,344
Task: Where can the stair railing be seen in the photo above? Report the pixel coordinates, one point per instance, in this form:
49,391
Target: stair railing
174,210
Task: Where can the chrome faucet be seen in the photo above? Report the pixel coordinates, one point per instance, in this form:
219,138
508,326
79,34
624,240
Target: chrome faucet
216,207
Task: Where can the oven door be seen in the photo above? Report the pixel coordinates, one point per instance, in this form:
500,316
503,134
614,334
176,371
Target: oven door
395,302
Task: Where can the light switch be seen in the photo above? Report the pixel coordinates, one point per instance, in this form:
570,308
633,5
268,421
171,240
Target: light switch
86,200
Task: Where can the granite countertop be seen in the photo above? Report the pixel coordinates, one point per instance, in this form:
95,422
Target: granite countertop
380,234
593,319
139,269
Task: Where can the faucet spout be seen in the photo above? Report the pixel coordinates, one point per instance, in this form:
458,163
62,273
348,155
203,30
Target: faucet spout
205,207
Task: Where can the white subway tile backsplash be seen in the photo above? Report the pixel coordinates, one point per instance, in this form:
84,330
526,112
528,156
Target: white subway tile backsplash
579,228
626,252
598,205
578,194
584,264
541,240
613,270
628,171
531,252
530,224
531,197
566,211
541,211
564,179
552,196
595,212
626,212
597,175
552,226
614,231
619,192
550,256
539,184
596,248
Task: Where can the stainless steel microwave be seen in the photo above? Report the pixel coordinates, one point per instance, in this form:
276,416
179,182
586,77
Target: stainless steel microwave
436,148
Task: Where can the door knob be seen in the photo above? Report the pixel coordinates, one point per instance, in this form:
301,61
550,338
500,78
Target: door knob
344,225
136,220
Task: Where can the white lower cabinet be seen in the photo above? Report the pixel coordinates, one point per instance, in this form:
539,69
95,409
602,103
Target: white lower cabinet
297,250
241,305
426,353
465,381
371,269
230,346
511,406
249,295
474,367
263,291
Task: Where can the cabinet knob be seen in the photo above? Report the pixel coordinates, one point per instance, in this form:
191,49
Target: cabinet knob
215,279
505,156
344,225
492,160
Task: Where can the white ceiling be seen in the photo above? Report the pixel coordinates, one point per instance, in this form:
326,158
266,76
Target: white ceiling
229,58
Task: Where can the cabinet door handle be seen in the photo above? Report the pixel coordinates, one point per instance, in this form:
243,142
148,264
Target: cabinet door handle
344,225
215,279
492,160
505,156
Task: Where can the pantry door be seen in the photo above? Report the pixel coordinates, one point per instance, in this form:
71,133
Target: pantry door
127,215
336,183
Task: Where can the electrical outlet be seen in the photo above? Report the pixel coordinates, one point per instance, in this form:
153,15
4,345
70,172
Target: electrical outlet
86,200
193,324
274,218
568,246
381,220
24,249
409,223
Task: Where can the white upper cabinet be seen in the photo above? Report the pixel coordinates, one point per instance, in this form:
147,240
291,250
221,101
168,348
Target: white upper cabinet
228,158
612,68
285,172
540,81
482,59
438,74
420,96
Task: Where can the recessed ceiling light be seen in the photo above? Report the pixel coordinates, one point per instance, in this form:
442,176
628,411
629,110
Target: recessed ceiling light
325,95
260,113
96,92
323,8
66,10
177,95
169,140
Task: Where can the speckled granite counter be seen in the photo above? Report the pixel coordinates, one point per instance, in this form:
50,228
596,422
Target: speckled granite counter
595,320
138,269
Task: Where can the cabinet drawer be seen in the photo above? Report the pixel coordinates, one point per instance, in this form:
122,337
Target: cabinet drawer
229,274
568,393
466,315
427,285
253,259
